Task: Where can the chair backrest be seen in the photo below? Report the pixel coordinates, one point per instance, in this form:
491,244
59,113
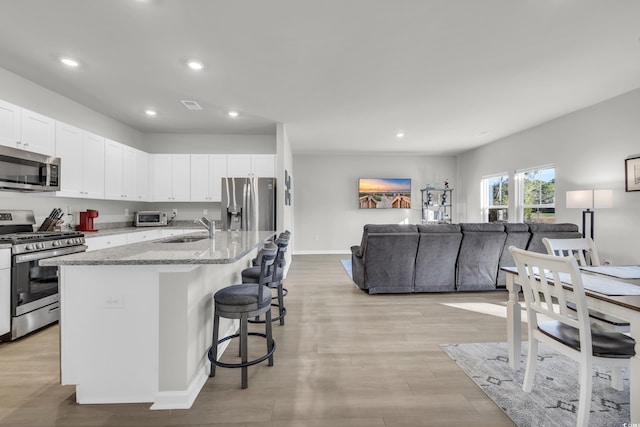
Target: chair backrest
267,268
541,276
282,243
583,249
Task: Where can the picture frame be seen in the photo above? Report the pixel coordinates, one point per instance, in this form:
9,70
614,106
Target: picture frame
632,174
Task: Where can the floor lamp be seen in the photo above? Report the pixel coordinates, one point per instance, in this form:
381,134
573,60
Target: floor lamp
589,200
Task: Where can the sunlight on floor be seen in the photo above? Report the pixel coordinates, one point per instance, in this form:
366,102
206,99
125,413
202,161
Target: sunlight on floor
493,309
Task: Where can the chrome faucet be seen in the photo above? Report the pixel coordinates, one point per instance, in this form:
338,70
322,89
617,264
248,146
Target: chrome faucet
209,224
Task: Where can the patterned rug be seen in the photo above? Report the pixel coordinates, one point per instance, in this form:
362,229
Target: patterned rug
554,399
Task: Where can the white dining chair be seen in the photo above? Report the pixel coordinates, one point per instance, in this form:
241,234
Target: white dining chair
586,254
568,332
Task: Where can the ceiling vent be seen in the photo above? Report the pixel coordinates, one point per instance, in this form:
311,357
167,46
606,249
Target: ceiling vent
191,105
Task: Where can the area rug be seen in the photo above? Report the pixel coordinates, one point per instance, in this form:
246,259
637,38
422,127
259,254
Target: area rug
346,263
553,402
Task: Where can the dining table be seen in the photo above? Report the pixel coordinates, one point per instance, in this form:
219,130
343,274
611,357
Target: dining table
612,290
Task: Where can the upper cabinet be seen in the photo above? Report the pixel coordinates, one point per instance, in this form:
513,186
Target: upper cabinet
38,133
26,130
142,176
263,165
10,116
170,177
82,162
207,171
259,165
120,171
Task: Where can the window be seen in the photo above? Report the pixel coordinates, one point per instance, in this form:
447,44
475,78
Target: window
496,198
537,194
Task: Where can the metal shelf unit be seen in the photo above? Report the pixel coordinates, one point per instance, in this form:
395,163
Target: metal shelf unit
436,205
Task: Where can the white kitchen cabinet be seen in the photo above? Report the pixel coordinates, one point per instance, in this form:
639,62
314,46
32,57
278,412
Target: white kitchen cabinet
120,173
263,165
104,242
238,165
82,162
171,177
259,165
207,171
143,236
142,176
37,133
5,291
10,116
93,166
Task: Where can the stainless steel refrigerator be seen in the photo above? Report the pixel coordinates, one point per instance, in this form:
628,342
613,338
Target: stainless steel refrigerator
248,204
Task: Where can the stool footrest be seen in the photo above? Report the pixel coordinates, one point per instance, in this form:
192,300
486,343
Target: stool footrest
273,319
242,365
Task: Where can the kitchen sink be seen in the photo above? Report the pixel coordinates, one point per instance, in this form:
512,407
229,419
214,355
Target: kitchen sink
184,239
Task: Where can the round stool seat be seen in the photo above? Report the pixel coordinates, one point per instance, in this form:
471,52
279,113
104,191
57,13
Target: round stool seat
251,274
241,298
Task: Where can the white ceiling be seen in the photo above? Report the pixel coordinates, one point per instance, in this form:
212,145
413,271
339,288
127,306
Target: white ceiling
343,75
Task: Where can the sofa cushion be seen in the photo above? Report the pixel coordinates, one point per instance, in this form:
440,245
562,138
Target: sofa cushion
518,235
550,231
436,259
385,260
480,251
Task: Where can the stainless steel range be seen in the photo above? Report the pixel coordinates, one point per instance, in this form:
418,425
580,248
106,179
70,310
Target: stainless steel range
30,300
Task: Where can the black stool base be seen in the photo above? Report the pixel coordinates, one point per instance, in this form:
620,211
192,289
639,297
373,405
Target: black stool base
241,365
282,312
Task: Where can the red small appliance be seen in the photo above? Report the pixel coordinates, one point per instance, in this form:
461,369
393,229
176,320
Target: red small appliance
86,220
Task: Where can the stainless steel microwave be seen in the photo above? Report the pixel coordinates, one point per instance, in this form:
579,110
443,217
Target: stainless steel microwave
22,170
150,218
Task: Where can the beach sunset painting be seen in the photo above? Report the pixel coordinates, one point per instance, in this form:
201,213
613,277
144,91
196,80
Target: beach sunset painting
384,193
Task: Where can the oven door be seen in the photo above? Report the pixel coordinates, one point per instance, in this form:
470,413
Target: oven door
34,290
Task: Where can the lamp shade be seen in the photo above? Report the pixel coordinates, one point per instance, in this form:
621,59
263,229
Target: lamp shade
602,199
580,199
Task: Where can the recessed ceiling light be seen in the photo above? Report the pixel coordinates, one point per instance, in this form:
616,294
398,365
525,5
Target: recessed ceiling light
233,114
400,135
191,105
481,134
195,65
69,62
150,112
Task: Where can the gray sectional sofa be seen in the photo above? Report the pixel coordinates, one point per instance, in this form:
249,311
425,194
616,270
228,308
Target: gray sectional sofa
407,258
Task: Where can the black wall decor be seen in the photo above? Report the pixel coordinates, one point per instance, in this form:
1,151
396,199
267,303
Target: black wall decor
287,188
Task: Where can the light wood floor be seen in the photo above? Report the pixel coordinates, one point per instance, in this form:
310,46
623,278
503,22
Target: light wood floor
344,358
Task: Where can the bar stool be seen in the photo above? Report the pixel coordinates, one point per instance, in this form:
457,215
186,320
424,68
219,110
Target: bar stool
252,274
241,302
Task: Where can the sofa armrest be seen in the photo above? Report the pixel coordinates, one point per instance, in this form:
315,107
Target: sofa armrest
357,267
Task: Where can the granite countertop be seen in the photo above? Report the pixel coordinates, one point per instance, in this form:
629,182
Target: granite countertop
226,248
122,228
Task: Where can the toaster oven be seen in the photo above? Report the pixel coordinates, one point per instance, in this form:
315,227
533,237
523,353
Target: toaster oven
150,219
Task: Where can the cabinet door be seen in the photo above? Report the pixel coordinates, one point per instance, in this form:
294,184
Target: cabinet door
69,149
9,124
161,179
180,171
92,166
142,176
200,191
38,133
113,170
217,170
263,165
129,175
238,165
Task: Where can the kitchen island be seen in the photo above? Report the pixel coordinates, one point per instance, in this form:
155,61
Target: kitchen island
136,320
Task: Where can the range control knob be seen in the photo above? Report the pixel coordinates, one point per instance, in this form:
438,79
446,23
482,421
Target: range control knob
56,243
29,247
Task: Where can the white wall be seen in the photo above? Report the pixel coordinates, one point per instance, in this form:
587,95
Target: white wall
588,149
170,143
20,91
326,214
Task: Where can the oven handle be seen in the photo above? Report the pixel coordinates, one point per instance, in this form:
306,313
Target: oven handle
49,254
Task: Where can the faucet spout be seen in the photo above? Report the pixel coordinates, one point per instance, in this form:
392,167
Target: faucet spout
209,224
